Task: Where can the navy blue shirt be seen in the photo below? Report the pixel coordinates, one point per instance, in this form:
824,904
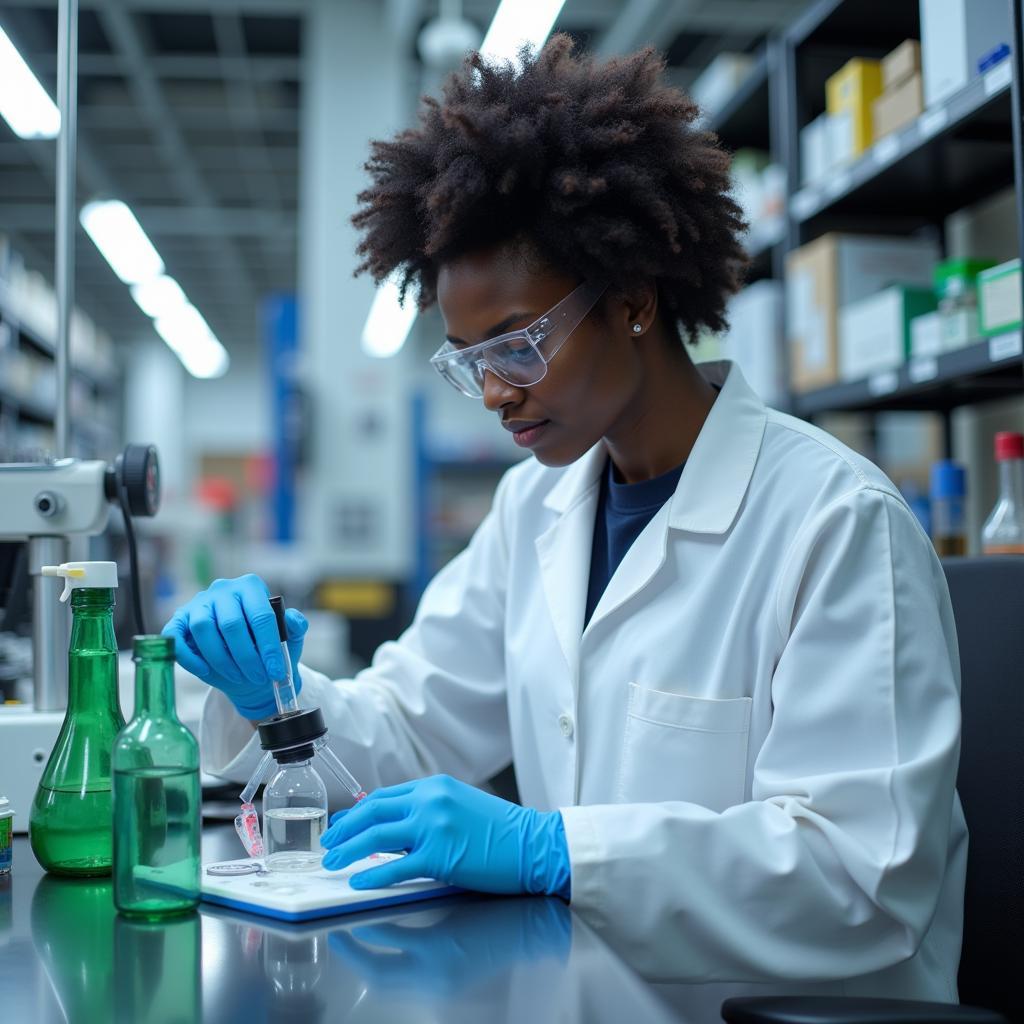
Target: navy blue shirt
623,510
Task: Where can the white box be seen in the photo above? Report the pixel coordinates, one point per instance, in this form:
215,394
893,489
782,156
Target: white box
926,335
955,35
875,333
814,151
716,84
755,336
841,147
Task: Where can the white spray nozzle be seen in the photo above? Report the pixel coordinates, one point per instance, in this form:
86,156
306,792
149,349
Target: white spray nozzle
83,574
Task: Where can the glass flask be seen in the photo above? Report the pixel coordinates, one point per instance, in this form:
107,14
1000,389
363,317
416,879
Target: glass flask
70,821
295,799
156,794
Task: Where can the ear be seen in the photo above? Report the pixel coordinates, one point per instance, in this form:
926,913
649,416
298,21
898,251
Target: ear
638,305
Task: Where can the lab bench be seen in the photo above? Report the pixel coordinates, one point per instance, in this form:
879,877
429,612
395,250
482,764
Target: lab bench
66,955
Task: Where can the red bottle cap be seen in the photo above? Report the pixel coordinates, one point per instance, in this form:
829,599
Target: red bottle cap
1009,446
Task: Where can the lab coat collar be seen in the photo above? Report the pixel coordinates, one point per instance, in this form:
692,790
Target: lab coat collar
718,471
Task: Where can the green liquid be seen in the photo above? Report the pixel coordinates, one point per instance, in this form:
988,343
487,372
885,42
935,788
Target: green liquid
156,833
76,839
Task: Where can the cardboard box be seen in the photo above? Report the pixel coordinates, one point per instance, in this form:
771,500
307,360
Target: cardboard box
955,36
899,65
837,270
926,335
898,107
999,299
852,90
874,333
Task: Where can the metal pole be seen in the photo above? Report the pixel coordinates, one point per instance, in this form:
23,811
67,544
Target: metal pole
49,625
67,100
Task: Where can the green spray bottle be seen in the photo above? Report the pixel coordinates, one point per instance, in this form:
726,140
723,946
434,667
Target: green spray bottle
70,825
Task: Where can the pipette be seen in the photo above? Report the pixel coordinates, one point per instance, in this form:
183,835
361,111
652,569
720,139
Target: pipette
284,688
341,773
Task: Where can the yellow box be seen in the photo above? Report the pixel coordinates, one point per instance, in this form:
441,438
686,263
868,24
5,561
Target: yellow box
852,89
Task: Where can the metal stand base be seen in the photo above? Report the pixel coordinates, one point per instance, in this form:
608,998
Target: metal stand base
26,738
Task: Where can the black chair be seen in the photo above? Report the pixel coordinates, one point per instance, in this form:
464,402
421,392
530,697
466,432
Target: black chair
988,604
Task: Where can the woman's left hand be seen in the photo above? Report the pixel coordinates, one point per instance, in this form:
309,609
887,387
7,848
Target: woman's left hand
455,833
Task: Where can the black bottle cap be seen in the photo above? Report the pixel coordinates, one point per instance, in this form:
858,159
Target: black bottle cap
277,603
289,737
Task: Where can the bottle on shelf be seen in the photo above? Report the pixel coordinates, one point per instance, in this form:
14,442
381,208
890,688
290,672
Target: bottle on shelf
70,825
1003,532
156,795
948,495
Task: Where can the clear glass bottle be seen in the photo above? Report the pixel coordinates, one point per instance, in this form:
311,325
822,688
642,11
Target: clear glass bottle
70,821
1003,532
156,794
948,499
294,816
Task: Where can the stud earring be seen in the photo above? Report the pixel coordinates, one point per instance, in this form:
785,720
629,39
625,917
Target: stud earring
637,328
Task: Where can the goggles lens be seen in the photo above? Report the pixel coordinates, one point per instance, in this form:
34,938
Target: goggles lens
519,358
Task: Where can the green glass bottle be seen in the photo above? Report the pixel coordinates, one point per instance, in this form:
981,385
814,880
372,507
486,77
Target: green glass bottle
70,822
157,799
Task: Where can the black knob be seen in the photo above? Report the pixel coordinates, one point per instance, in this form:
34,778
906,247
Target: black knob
137,469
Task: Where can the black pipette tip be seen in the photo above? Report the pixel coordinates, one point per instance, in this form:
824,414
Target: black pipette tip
277,603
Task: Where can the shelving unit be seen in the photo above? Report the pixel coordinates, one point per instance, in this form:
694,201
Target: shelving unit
27,411
953,155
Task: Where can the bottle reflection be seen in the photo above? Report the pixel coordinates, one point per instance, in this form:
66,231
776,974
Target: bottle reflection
293,965
157,969
73,933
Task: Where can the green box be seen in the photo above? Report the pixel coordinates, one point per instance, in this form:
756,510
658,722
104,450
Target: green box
955,277
999,298
874,333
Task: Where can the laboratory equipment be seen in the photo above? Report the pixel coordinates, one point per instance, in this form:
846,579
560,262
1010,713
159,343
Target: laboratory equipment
295,799
6,835
45,504
156,794
1003,532
284,689
70,824
948,498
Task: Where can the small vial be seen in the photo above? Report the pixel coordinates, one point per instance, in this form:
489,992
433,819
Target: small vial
1003,532
949,520
284,689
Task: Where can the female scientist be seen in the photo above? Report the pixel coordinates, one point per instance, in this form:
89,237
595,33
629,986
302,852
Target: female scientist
713,641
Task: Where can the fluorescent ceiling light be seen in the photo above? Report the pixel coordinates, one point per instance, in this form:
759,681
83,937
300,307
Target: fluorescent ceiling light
121,240
190,338
160,296
24,103
517,22
389,323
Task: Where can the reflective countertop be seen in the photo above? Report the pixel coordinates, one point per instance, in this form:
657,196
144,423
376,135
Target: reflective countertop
66,955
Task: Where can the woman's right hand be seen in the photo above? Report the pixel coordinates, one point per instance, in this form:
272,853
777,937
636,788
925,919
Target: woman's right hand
227,636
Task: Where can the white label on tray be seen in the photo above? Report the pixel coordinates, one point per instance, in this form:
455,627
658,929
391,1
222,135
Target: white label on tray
804,201
1004,346
923,369
932,121
886,150
998,77
883,383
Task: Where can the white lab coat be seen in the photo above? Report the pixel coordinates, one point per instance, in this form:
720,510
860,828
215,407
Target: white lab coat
753,743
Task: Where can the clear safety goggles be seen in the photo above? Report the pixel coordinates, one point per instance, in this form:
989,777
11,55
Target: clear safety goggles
519,358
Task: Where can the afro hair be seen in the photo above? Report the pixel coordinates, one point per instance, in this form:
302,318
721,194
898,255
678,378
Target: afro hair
598,166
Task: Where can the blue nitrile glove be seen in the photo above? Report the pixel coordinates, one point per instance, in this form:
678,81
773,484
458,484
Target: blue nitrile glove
227,636
455,833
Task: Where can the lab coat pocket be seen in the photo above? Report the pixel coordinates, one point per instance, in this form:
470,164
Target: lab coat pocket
683,748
